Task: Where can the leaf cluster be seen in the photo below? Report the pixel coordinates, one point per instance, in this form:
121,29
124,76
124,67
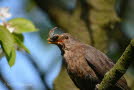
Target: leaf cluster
10,42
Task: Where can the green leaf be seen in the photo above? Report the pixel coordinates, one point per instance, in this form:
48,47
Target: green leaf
19,36
7,43
22,25
19,42
12,57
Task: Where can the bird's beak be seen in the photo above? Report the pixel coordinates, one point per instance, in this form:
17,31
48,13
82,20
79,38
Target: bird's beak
49,40
52,42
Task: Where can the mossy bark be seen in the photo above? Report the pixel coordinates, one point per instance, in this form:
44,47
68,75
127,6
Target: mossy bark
119,68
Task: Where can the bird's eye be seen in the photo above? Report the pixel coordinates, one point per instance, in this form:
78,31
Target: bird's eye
66,37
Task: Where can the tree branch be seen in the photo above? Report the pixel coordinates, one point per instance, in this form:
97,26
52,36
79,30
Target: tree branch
2,79
41,74
119,68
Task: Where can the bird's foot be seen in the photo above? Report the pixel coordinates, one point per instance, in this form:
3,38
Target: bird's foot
97,86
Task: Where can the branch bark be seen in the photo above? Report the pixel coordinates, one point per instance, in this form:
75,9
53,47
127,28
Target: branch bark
119,68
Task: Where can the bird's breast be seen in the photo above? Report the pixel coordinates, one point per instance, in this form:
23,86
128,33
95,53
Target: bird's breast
76,64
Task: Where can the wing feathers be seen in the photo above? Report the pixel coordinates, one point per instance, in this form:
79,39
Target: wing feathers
101,64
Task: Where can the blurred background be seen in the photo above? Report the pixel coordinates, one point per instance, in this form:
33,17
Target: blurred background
105,24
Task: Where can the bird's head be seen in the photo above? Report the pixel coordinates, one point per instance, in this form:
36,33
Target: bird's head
61,40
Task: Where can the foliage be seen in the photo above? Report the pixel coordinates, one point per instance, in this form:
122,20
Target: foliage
22,25
11,37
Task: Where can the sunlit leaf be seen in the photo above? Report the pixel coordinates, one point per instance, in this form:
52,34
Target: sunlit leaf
12,57
22,25
7,43
19,41
19,36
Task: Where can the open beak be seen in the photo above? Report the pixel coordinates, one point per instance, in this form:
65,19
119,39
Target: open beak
52,42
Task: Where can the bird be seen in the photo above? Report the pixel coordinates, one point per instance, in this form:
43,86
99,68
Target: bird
85,64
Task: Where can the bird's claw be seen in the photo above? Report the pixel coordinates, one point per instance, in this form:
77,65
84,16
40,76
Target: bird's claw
97,86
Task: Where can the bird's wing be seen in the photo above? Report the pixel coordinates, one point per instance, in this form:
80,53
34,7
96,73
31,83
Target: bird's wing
100,63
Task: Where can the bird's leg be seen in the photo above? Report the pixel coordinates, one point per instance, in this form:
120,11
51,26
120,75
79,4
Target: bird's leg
97,85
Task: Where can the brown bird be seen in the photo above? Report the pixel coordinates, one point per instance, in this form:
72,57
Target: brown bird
85,64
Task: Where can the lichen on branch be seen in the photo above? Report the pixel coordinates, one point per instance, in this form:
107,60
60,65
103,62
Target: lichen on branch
119,68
